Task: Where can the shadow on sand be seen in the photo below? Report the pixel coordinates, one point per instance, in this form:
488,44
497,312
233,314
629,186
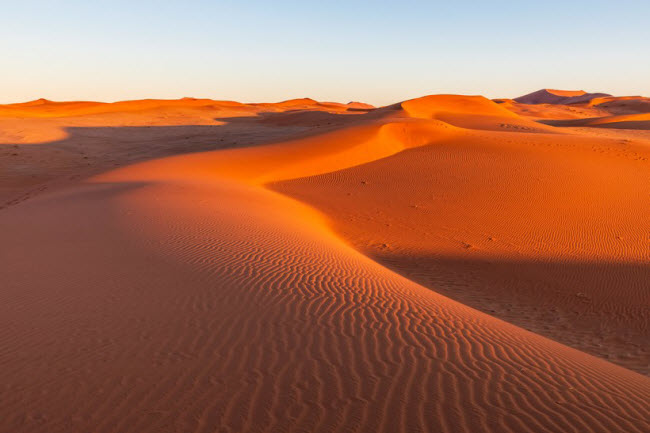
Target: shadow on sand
599,307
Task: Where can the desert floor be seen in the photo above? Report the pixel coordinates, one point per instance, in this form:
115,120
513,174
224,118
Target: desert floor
445,264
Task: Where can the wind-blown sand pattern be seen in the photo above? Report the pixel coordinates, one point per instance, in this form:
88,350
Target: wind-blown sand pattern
188,294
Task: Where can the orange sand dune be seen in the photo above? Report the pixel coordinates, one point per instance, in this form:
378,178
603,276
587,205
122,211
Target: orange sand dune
553,111
626,120
82,143
623,104
355,105
471,112
182,294
553,96
546,231
590,108
45,108
310,104
623,121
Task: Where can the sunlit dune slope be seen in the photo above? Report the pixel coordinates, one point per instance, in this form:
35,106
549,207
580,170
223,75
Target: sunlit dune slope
546,231
623,104
626,121
623,121
472,112
181,294
434,106
324,153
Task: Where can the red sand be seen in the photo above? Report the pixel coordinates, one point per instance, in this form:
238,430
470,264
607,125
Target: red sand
186,294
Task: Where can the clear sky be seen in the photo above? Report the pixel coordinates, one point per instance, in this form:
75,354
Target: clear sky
373,51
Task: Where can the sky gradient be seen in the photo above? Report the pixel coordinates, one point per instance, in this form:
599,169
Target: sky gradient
373,51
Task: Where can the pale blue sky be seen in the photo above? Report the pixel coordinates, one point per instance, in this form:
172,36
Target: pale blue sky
374,51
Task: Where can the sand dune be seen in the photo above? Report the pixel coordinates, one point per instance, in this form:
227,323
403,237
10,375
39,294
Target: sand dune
43,152
45,108
538,230
553,96
623,104
355,105
623,121
184,294
591,110
552,111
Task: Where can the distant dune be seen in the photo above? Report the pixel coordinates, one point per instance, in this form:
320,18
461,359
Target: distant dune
623,105
564,97
360,105
625,121
444,264
577,109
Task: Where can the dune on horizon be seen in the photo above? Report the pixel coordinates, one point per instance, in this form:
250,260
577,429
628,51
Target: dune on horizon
448,263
